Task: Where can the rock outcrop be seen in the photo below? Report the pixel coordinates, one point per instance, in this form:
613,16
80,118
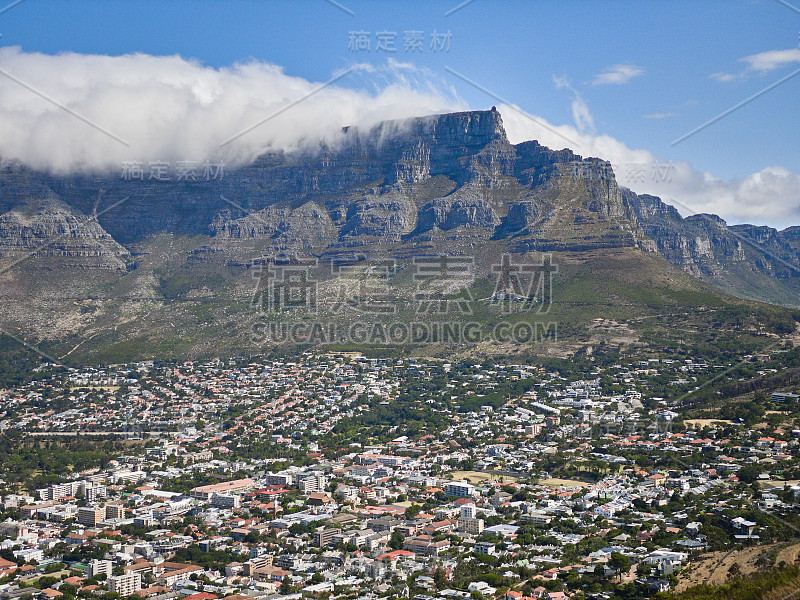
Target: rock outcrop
49,228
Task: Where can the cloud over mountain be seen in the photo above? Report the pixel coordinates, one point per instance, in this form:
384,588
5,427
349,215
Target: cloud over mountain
87,112
73,112
770,196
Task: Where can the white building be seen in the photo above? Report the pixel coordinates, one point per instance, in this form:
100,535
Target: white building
101,567
226,500
125,585
461,490
315,483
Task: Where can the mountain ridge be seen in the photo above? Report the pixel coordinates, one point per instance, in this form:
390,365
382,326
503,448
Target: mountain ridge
440,185
372,189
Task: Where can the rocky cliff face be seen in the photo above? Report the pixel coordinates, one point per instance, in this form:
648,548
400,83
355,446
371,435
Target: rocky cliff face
755,262
447,183
397,180
37,229
306,227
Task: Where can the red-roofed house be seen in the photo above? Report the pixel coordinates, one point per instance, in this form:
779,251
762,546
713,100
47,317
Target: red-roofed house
394,555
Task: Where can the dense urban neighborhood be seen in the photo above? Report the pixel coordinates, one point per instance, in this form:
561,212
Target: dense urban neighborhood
338,475
363,300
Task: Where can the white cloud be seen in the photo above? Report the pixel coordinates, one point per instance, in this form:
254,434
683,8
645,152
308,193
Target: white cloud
769,197
660,115
617,75
581,114
774,59
168,108
761,63
725,76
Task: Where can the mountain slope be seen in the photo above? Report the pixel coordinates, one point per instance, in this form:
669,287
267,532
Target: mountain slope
137,267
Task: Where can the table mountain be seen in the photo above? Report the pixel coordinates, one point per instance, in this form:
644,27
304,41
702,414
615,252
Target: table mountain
444,184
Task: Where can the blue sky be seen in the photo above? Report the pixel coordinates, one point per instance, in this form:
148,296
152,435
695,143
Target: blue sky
642,73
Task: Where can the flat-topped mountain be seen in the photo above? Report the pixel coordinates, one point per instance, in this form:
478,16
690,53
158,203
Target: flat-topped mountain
445,184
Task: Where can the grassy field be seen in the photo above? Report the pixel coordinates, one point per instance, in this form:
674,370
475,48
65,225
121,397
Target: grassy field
778,483
564,482
477,477
706,422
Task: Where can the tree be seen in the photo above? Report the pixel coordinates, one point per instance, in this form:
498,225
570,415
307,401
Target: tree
45,582
53,567
396,541
252,537
286,586
748,473
620,563
440,578
412,511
